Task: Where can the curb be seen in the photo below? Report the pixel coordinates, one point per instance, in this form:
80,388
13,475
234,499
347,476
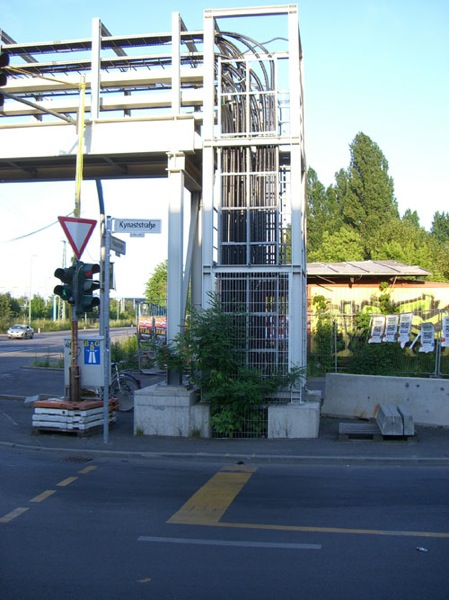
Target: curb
250,458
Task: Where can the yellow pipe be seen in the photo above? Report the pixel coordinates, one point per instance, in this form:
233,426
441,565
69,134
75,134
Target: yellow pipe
80,153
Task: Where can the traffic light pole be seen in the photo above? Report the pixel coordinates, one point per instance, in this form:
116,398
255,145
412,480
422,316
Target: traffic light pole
74,370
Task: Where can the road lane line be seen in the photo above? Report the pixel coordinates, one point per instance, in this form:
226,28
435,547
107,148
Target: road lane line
43,496
13,514
211,501
87,469
66,481
341,530
242,544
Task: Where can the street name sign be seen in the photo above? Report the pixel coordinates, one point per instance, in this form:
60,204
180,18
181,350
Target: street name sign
137,227
117,245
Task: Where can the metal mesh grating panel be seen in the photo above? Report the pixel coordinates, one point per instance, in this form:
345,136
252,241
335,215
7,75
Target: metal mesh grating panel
251,224
262,299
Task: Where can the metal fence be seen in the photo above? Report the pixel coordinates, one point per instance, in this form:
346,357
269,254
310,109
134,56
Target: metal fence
341,343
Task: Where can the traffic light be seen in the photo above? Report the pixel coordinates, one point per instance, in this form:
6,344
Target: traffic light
86,285
66,291
4,62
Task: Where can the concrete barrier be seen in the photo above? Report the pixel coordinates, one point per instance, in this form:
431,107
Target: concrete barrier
359,396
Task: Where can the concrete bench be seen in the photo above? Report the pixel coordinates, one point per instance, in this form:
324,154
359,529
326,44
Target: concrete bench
407,419
389,420
354,431
395,420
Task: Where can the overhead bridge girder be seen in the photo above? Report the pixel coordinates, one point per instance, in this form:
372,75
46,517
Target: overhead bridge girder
63,168
112,149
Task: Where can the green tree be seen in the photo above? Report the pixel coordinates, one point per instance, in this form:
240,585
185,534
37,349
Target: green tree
343,245
322,211
9,310
39,308
440,226
120,309
365,193
405,242
412,217
156,287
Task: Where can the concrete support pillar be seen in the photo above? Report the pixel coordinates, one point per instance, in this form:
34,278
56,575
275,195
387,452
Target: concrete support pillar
175,308
298,282
207,222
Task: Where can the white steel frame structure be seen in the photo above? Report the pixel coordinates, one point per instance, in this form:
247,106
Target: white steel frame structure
217,112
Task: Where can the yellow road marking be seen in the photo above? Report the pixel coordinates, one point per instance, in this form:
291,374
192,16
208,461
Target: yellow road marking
342,530
43,496
66,481
13,514
87,469
210,502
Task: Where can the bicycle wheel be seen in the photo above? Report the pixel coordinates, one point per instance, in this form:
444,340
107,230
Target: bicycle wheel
123,389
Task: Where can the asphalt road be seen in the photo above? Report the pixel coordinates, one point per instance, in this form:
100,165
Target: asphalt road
113,528
17,356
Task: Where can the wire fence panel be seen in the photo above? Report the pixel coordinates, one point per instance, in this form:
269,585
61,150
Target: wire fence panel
350,343
253,423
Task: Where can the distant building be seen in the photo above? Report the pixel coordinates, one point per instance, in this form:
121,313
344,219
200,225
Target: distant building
351,287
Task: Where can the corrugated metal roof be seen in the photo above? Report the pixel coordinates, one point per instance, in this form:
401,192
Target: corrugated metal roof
387,268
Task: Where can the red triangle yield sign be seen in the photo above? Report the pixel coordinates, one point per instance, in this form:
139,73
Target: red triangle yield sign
78,232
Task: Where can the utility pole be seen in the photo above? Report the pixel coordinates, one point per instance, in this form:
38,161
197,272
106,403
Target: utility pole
74,371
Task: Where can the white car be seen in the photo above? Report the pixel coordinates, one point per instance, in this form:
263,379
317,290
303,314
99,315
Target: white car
20,331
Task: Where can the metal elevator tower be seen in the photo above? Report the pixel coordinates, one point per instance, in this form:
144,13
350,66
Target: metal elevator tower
220,113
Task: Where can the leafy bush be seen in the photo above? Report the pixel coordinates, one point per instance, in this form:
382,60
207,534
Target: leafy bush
211,351
124,351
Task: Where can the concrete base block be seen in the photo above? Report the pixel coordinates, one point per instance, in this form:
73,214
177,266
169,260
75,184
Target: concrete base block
200,420
407,419
167,411
293,421
174,411
389,420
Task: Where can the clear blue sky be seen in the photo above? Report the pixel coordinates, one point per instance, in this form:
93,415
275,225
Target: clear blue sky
376,66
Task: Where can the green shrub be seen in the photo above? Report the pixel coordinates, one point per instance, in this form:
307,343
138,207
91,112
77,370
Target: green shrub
211,351
124,351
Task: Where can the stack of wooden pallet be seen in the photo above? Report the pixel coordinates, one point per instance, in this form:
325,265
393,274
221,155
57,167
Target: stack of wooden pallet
62,415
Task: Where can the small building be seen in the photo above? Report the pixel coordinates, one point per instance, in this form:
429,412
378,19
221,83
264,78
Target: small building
352,287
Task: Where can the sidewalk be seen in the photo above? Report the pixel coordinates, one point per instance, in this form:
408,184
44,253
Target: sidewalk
429,447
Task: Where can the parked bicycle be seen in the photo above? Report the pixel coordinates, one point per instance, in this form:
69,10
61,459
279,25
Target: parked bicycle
123,385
